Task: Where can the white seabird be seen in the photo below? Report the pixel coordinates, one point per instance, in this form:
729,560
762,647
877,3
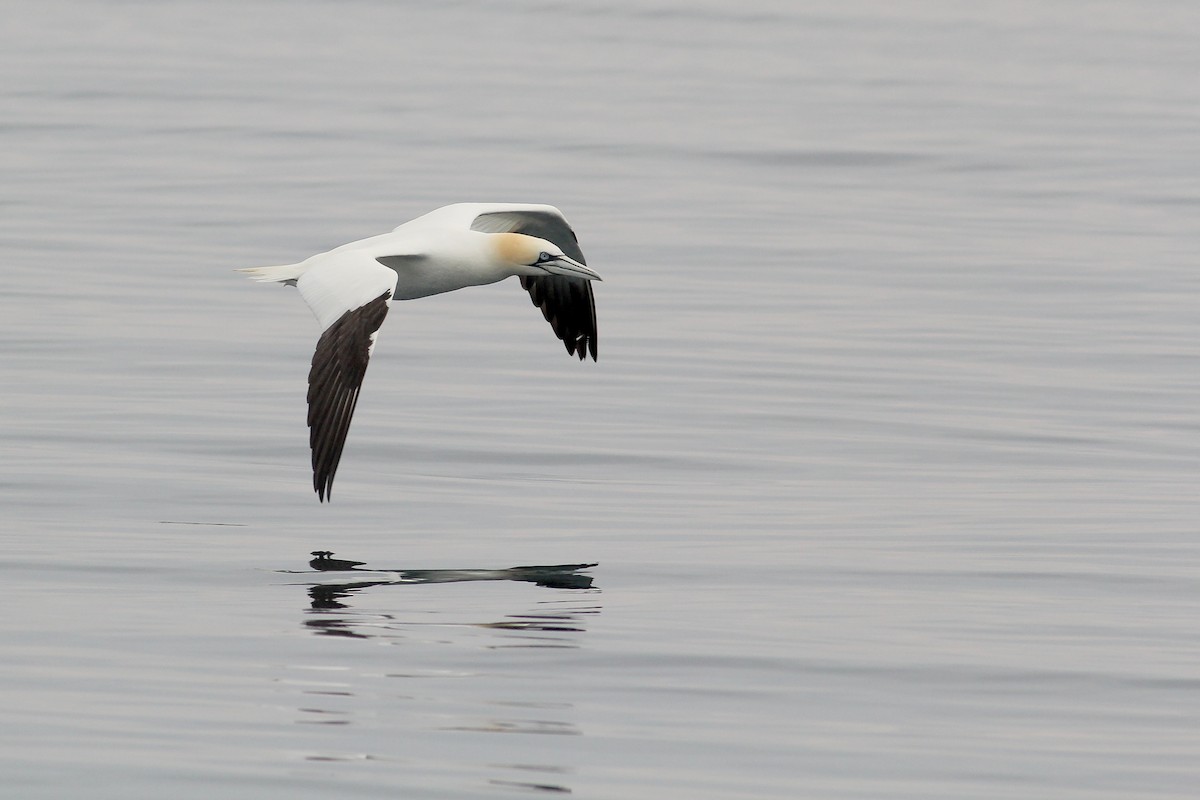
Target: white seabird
351,287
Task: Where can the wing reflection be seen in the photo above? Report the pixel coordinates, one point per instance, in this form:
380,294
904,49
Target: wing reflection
330,591
334,581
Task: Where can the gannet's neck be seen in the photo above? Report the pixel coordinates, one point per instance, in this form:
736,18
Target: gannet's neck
433,265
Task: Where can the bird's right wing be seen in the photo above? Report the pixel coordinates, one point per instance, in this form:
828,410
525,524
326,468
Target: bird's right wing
567,303
350,296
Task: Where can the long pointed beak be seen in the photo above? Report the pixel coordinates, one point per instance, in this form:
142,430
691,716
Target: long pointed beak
565,265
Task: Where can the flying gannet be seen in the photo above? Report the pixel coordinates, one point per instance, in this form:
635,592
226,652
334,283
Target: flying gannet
351,287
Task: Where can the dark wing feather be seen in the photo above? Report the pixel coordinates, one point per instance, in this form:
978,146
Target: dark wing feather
569,307
338,367
566,303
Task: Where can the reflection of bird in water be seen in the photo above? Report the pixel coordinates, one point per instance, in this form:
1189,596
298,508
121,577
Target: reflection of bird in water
560,576
324,561
351,287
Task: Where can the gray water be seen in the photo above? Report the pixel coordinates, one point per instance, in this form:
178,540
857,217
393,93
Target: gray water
889,462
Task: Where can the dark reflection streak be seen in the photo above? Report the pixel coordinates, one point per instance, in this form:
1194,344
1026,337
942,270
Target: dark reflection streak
539,787
529,626
333,627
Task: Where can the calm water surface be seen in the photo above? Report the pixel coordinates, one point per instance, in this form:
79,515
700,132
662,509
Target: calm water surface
889,462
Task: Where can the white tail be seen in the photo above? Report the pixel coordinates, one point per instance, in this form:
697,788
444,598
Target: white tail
284,273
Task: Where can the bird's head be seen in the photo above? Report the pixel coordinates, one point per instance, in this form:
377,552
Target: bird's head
531,256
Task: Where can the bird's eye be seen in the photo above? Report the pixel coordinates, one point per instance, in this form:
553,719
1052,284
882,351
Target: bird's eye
544,256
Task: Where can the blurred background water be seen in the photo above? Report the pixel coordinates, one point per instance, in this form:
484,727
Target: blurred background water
889,461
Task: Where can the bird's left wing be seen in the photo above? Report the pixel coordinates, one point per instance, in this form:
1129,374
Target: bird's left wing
350,296
567,303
